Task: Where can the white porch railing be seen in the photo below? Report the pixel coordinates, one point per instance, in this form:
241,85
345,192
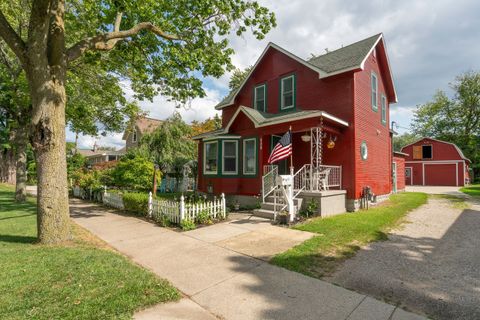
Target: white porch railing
318,178
269,182
300,180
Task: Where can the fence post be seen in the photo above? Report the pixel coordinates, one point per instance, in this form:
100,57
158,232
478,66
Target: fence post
104,194
182,208
224,207
150,205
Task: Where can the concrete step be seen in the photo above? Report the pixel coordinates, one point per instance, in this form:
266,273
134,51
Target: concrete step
270,206
262,213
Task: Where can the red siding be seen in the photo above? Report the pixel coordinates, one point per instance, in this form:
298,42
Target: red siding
376,170
400,172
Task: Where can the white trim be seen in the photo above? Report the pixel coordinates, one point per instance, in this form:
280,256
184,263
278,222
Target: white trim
411,175
243,157
282,107
434,161
282,120
264,97
205,158
221,137
440,162
223,158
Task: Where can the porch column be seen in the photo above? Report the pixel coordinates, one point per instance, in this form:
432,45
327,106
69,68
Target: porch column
316,135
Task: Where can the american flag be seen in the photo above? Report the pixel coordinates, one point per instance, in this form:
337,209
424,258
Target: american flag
282,149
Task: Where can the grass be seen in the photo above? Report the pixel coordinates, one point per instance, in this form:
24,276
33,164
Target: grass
339,237
82,279
454,201
472,190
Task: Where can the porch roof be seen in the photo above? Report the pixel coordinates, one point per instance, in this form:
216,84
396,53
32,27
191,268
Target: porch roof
262,119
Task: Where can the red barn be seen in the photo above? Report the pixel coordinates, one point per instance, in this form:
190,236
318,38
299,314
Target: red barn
337,106
433,162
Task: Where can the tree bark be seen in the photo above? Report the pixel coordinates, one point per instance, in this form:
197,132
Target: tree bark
21,166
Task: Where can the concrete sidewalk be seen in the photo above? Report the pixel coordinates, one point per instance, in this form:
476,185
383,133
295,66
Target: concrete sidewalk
223,273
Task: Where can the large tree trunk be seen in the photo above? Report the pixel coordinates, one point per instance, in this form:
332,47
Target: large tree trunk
48,141
21,159
7,166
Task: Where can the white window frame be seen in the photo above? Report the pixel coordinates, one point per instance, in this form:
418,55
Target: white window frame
282,106
384,109
134,135
264,87
236,158
244,154
205,157
374,93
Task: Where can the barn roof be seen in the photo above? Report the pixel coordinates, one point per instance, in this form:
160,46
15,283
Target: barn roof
348,58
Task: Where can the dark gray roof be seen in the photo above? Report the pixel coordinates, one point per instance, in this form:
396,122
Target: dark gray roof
348,57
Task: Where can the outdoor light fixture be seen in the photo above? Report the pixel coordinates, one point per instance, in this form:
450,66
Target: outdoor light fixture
306,137
331,142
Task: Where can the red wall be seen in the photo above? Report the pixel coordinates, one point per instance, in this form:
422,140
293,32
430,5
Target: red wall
376,170
400,173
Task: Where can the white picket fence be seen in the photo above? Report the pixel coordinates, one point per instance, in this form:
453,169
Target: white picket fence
177,211
114,200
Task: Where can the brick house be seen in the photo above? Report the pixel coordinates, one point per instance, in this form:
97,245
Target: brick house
337,106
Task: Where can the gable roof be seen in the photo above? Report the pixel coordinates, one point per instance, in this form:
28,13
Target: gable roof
262,119
348,58
460,152
143,125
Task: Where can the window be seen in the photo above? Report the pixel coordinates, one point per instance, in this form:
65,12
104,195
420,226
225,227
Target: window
384,109
427,152
260,98
250,156
134,135
287,92
374,92
230,157
210,157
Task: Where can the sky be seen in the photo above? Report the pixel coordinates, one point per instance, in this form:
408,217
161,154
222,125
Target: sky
429,43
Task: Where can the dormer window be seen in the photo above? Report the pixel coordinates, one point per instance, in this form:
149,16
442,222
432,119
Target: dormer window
287,92
260,97
134,135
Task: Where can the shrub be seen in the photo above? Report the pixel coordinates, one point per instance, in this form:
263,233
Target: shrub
163,220
134,171
203,217
136,203
311,209
187,225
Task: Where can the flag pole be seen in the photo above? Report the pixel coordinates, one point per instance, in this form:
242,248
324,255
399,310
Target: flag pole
291,154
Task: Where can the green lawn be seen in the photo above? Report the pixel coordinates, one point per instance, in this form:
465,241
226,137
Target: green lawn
83,279
472,190
339,237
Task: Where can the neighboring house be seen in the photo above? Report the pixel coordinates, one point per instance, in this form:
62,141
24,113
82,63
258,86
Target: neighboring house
96,156
135,132
338,107
398,171
433,162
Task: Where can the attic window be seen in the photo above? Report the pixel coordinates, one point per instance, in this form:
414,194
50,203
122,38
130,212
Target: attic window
134,135
427,152
287,92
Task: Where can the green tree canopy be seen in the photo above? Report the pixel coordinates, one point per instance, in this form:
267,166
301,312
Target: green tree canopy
455,119
402,140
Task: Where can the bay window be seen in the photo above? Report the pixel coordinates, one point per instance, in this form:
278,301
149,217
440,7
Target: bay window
230,157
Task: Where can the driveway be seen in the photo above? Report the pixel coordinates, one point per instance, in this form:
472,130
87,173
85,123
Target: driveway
223,272
431,265
454,191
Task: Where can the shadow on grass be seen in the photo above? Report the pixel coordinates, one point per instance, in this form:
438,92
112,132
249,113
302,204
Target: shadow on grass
17,239
22,216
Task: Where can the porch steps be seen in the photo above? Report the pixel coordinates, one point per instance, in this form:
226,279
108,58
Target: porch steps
267,208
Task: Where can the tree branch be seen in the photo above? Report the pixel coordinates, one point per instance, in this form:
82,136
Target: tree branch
12,39
106,41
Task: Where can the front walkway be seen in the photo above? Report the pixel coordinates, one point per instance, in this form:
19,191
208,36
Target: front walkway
222,271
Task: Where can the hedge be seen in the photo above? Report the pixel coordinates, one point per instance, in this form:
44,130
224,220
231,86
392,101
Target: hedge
136,203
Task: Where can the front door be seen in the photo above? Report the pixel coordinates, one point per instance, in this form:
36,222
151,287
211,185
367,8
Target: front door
282,164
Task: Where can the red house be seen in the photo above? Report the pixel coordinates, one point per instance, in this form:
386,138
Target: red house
337,106
432,162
